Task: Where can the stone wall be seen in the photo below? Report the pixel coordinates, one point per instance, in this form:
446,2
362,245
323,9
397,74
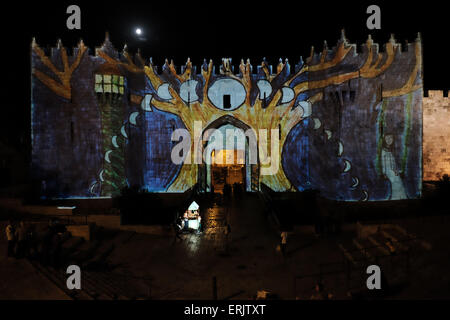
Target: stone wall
349,120
436,140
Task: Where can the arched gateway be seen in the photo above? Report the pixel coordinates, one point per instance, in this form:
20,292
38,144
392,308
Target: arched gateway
237,135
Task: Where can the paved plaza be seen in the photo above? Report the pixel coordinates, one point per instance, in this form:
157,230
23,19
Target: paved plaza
243,262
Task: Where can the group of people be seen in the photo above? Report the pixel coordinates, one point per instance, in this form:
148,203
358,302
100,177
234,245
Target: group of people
25,242
236,190
18,239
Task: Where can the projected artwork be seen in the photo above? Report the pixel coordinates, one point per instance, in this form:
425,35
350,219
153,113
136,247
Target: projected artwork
348,121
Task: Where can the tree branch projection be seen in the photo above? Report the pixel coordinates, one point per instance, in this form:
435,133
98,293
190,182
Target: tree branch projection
255,116
62,88
369,70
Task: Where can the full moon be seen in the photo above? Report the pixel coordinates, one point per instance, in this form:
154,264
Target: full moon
138,31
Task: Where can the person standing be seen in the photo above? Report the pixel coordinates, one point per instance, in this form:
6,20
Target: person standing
21,235
283,243
390,169
46,246
185,223
55,253
10,238
199,219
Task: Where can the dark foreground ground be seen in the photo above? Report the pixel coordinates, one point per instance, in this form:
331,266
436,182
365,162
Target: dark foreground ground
138,266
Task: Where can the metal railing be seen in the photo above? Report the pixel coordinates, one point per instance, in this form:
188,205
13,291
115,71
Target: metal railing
348,266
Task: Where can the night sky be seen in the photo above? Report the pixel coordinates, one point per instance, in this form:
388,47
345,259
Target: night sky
211,30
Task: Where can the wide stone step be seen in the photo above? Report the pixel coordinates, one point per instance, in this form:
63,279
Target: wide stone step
59,279
70,246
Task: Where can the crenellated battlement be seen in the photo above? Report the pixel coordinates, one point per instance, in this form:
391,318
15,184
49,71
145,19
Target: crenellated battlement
436,94
436,145
316,57
227,67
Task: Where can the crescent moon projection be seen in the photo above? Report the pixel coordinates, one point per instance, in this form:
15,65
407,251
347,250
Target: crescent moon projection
317,124
341,149
187,91
101,176
91,189
114,142
288,95
348,166
366,196
355,182
307,108
329,134
163,92
124,133
146,103
133,117
107,156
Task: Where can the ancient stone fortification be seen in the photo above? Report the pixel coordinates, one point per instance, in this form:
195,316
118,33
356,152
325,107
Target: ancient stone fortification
436,141
349,120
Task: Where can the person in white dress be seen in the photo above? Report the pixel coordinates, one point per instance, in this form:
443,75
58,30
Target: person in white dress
390,170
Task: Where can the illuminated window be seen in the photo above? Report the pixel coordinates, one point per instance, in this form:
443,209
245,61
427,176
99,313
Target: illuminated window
106,83
227,101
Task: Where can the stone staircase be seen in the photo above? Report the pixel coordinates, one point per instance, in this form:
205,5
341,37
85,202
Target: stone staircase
390,247
98,282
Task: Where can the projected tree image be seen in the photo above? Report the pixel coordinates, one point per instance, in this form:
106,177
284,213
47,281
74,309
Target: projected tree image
317,101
